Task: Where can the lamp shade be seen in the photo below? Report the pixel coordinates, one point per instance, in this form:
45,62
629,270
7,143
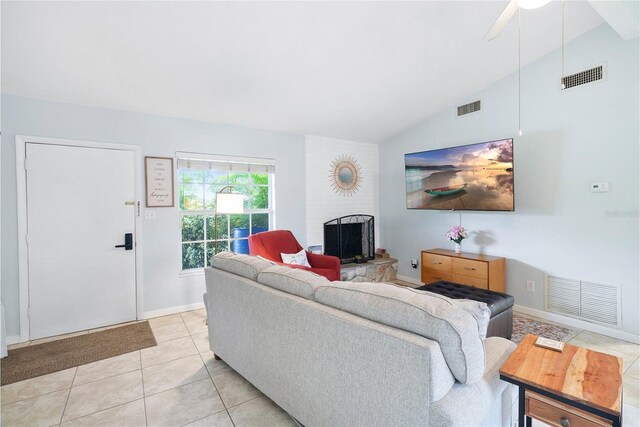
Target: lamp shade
229,203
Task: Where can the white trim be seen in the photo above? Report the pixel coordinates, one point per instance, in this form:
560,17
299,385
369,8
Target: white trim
21,188
409,279
172,310
575,323
13,339
23,256
191,272
223,158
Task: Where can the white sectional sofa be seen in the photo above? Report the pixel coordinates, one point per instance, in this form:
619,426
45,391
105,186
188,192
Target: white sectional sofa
355,354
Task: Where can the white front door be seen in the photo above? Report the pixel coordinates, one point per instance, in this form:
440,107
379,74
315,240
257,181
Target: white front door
80,205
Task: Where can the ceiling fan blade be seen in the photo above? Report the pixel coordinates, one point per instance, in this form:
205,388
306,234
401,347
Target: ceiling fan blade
502,20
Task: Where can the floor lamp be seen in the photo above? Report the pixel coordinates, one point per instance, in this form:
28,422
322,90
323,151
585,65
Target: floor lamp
226,203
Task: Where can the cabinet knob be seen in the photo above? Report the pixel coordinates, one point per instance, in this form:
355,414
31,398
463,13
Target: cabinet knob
564,422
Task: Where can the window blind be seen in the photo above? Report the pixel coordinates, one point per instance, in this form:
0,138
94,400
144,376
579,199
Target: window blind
225,164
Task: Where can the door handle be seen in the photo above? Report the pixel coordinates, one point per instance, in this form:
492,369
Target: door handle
128,242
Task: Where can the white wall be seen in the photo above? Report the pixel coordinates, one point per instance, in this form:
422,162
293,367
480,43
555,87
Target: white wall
571,138
323,203
159,136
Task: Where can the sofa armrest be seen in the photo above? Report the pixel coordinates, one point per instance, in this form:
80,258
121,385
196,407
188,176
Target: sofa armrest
324,261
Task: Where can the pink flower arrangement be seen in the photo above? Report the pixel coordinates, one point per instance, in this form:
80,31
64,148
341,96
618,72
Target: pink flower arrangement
457,233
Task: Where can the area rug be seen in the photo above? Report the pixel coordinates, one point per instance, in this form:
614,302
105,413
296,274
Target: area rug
41,359
523,326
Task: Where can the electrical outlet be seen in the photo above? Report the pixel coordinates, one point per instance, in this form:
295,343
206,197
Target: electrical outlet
531,286
414,263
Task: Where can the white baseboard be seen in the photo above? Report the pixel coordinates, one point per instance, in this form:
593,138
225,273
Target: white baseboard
409,279
577,323
172,310
13,339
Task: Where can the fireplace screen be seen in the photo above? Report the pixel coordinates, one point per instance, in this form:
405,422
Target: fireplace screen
350,236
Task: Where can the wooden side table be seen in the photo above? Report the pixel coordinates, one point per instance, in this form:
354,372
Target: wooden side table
575,387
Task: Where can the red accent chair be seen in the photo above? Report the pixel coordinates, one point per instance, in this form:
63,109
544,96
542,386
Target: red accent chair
270,244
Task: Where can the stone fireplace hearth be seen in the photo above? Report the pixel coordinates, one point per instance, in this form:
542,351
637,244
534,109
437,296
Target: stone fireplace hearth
375,270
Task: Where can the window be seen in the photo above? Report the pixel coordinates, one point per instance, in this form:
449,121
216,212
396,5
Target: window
204,233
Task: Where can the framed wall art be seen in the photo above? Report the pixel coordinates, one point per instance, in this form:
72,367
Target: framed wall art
158,177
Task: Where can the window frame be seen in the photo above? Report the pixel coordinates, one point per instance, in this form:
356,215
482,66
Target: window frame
210,213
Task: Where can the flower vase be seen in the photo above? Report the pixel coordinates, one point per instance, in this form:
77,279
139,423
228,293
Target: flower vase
458,248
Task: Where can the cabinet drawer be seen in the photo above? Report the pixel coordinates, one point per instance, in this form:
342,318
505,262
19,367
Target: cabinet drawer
470,281
468,267
430,275
558,414
436,262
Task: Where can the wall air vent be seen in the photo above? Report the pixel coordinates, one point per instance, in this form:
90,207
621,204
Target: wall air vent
583,77
471,107
592,302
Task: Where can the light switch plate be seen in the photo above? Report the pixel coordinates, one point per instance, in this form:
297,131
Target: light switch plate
148,214
599,187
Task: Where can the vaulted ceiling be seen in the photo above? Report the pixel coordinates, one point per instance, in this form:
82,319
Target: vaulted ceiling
355,70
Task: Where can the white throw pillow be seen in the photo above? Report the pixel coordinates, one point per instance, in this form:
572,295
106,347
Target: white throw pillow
297,259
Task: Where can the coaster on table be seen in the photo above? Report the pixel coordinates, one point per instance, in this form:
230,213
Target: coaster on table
550,344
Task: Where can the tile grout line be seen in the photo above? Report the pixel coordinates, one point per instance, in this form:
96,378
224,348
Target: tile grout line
144,395
207,416
105,409
108,376
173,388
33,397
66,402
224,405
249,400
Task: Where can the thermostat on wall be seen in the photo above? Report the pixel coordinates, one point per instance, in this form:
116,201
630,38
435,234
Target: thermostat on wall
599,187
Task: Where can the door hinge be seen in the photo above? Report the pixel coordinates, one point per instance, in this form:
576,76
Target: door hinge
28,311
26,239
26,162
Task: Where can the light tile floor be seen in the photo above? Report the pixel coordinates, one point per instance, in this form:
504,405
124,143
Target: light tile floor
178,383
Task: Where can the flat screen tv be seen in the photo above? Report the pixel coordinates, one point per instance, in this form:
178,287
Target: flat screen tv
475,177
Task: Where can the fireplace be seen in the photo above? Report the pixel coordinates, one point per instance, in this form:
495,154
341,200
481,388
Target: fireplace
350,236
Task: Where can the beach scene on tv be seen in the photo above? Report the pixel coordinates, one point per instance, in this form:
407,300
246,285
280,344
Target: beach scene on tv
469,177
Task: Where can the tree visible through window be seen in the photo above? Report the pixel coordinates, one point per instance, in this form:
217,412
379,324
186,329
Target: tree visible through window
198,190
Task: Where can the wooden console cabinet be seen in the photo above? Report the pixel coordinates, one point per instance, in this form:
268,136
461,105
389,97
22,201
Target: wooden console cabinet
479,271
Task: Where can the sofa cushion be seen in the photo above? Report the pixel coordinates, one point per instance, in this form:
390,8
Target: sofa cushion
479,310
454,329
447,411
296,281
243,265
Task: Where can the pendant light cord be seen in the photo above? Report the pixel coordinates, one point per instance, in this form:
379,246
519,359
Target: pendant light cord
562,60
519,74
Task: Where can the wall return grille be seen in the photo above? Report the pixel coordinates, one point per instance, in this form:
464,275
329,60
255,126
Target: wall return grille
593,302
583,77
471,107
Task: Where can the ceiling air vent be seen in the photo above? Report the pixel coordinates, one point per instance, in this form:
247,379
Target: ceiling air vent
583,77
471,107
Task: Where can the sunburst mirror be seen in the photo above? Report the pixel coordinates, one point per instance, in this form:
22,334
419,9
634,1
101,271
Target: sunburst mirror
345,175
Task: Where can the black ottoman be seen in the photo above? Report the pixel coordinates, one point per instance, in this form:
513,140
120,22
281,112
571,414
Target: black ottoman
501,305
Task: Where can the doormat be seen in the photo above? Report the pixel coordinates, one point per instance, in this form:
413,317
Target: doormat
41,359
523,326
